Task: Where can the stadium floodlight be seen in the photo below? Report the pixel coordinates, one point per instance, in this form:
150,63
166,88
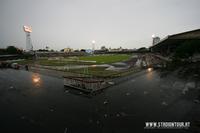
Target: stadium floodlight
28,30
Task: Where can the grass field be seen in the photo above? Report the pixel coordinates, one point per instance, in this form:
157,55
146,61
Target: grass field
106,59
98,59
84,60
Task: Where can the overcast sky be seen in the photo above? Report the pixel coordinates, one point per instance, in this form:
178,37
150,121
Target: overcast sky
113,23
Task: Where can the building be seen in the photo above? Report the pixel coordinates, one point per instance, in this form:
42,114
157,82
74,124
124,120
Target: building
169,44
156,40
68,50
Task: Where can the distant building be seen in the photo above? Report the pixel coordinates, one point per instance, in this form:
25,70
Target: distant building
103,48
89,51
155,40
115,49
68,50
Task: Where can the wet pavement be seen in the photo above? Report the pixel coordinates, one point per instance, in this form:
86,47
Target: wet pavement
30,102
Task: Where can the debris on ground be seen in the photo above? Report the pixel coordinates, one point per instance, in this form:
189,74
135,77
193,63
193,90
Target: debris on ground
164,103
66,91
196,75
128,93
65,130
111,83
184,90
105,115
145,92
23,117
32,121
90,120
52,109
196,101
133,80
105,102
98,122
164,86
24,94
118,115
123,114
190,85
178,85
11,87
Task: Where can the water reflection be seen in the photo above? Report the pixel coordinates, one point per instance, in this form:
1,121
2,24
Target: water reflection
150,73
36,80
149,69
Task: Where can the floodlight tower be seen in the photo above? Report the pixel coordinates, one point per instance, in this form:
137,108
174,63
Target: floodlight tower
28,30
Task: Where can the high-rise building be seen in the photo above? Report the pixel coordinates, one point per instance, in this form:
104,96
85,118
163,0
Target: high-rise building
156,39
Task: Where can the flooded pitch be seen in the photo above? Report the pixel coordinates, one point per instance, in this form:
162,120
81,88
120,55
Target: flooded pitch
32,103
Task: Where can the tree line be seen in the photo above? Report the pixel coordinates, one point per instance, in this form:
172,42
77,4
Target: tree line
11,50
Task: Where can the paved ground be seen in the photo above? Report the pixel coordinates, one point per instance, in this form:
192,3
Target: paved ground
30,102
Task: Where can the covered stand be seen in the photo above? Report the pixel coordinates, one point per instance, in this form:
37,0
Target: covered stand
87,84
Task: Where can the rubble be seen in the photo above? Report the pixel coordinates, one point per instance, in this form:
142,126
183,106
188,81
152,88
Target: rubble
52,109
90,120
190,85
98,122
184,90
66,91
197,101
105,115
133,80
23,117
105,102
123,114
178,85
164,103
65,130
11,87
145,92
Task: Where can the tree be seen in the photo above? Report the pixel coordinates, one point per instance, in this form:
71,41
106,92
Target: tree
2,51
42,50
143,49
187,49
13,50
47,48
103,48
83,50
